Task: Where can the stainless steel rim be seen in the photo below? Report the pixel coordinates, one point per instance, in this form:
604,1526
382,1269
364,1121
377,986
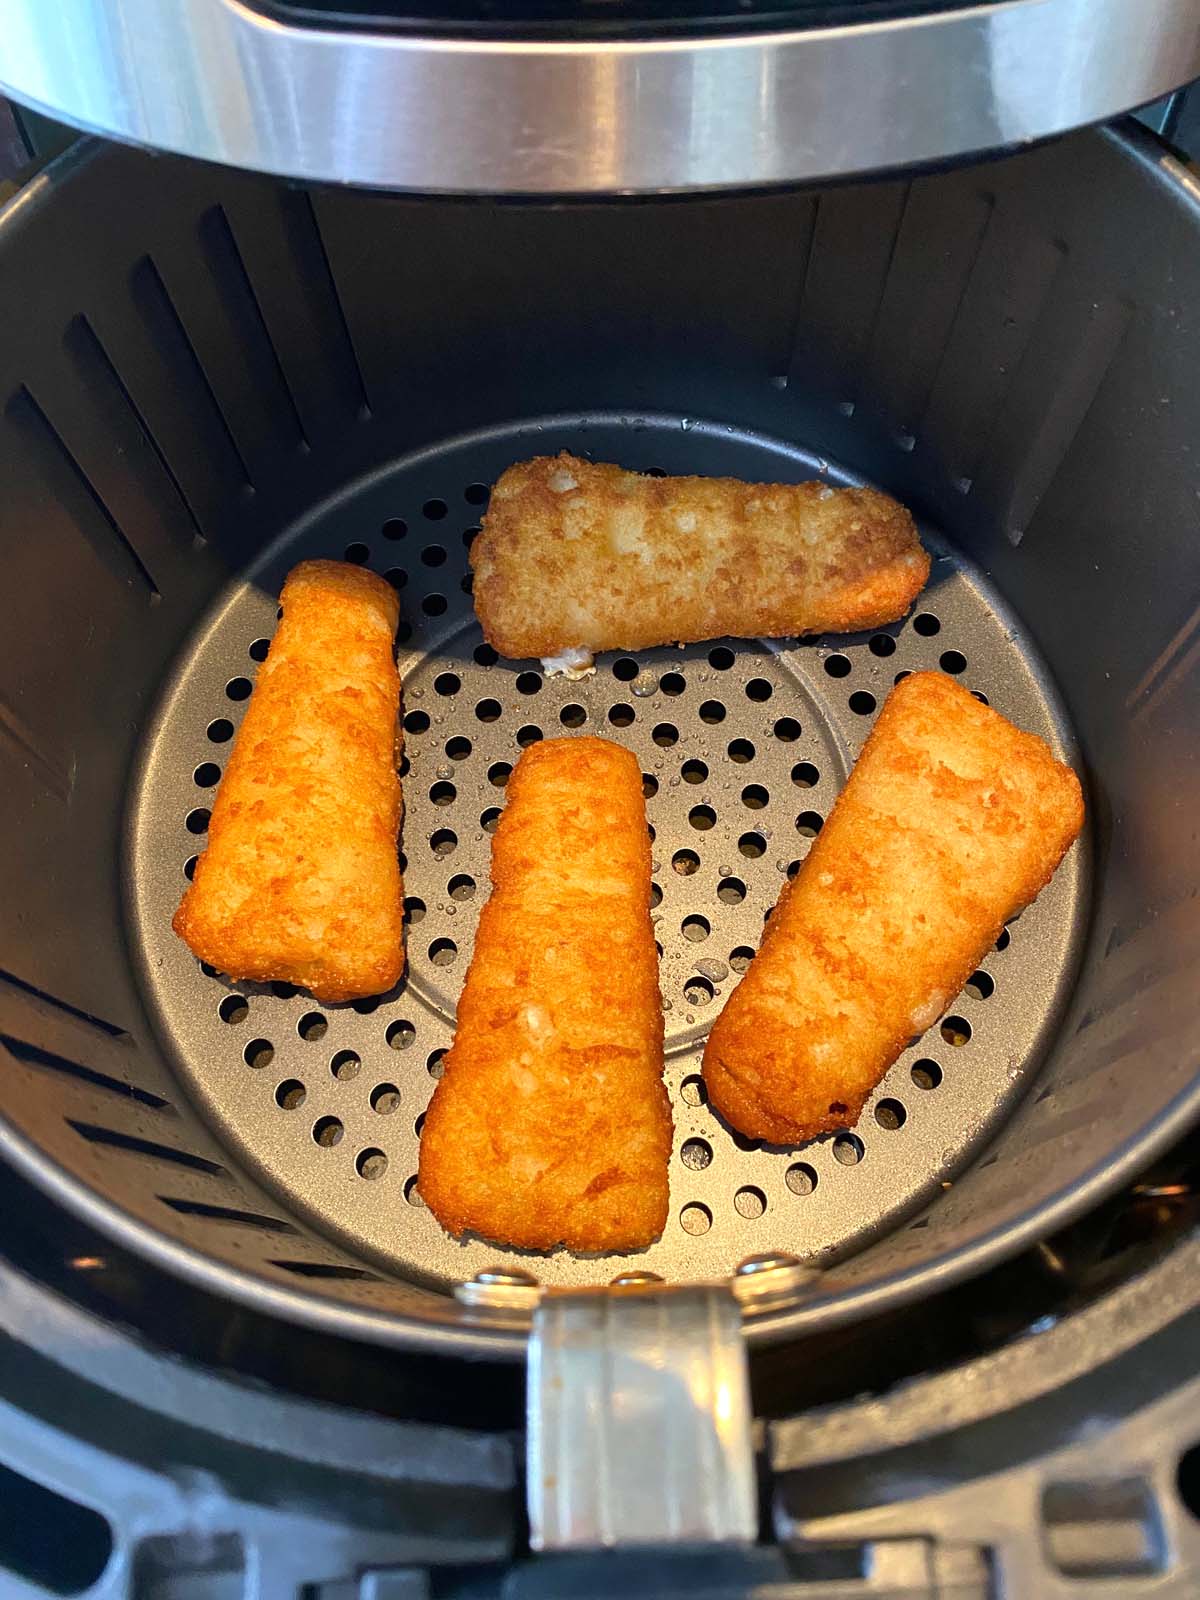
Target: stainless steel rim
212,79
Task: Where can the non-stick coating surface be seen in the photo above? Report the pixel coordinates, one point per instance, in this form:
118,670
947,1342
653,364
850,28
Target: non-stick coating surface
744,746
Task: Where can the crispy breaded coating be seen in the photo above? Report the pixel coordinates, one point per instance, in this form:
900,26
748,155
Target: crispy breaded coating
301,878
551,1123
579,556
952,821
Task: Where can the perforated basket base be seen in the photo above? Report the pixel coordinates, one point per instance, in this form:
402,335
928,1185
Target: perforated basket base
744,746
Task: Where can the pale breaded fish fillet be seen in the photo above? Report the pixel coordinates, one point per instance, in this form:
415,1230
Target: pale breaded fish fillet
300,880
952,821
551,1123
578,557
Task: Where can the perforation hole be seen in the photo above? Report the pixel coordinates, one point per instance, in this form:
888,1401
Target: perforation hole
801,1178
1005,939
805,775
882,644
447,683
952,661
890,1114
731,891
489,818
477,494
394,528
665,735
673,684
435,1063
400,1035
862,703
461,888
702,818
458,748
412,1194
189,867
357,554
848,1149
197,821
755,797
752,846
698,991
692,1091
693,772
416,722
837,666
327,1132
433,555
926,1074
290,1095
345,1065
397,577
759,690
696,1154
955,1031
385,1099
573,716
655,896
443,952
434,510
926,624
469,535
259,1053
720,658
695,1219
529,682
529,734
284,991
749,1202
443,793
649,786
741,958
740,751
809,824
696,928
978,694
233,1008
900,677
443,843
980,986
312,1026
220,730
621,716
625,668
786,729
370,1163
498,774
685,862
712,712
485,656
434,605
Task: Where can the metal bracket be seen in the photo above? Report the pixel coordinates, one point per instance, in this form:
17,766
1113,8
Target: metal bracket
639,1422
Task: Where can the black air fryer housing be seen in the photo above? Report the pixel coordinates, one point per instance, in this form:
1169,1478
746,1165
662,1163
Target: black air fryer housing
214,355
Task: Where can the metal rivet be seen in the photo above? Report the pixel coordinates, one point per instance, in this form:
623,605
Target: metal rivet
506,1278
766,1263
624,1278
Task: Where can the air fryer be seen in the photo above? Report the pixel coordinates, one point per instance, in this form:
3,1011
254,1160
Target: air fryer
219,374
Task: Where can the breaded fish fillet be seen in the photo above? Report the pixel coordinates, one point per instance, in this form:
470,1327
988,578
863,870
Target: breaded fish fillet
951,822
576,557
551,1123
301,877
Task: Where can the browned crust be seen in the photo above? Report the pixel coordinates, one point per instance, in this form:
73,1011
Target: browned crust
951,822
622,561
300,880
551,1124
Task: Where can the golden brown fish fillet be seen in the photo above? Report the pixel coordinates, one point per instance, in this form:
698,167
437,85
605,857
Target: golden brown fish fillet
551,1123
951,822
576,556
301,879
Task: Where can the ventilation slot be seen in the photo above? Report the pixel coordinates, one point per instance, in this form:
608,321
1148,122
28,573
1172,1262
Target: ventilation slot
26,752
49,1541
65,1006
146,1147
92,517
244,1219
32,1055
326,1269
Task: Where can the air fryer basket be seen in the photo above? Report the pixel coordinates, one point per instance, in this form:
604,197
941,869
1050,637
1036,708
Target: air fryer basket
219,375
